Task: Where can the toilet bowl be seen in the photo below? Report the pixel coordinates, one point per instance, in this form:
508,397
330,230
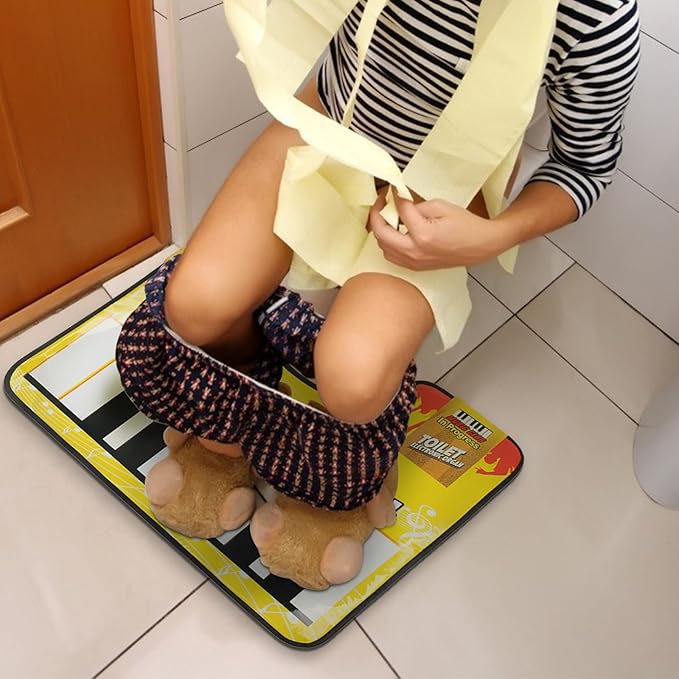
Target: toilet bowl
656,447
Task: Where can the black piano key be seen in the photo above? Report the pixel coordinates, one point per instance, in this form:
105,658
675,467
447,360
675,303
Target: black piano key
241,550
109,416
282,590
141,447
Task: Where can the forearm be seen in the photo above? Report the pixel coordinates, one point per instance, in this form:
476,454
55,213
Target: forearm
540,208
440,234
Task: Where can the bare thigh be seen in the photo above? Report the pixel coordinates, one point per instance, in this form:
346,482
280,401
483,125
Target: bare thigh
234,260
373,330
371,334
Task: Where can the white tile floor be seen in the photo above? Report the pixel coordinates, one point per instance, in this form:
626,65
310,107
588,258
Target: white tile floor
570,573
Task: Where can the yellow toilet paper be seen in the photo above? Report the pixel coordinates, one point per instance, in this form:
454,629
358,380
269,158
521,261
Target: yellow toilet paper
328,187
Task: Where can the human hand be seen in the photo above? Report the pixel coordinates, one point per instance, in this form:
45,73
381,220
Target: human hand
440,235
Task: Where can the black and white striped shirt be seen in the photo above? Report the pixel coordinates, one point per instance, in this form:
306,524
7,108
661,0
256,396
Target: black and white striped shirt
420,52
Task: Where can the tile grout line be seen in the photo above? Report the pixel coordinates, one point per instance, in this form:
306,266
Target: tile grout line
511,311
377,648
645,188
471,351
660,42
200,11
534,297
621,298
547,287
577,370
231,129
556,245
490,292
142,277
559,354
633,308
608,287
537,294
143,634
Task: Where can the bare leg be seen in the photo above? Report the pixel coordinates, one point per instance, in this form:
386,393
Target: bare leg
234,261
232,264
372,332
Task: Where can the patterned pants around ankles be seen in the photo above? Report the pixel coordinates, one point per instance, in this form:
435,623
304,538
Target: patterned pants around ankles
302,452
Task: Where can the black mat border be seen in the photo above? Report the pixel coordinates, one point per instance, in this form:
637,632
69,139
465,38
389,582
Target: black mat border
330,634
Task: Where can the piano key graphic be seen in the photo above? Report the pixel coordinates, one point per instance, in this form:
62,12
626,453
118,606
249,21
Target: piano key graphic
313,605
306,605
242,551
473,424
84,380
145,444
107,415
80,361
131,437
145,468
100,387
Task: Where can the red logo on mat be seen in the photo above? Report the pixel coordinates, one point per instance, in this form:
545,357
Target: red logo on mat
504,459
432,398
429,400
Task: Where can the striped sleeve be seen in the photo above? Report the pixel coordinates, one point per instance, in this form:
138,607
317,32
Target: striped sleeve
587,101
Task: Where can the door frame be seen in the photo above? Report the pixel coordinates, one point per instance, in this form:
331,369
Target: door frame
146,66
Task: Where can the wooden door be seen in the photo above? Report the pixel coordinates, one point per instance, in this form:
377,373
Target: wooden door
82,177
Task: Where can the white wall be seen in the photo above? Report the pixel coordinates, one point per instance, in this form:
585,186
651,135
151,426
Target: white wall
629,240
210,113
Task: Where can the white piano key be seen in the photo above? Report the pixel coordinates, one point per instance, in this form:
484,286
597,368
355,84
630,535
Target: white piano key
153,461
94,393
127,430
378,550
259,568
79,360
230,534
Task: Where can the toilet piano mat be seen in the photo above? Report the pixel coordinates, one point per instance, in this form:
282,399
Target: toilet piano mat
453,462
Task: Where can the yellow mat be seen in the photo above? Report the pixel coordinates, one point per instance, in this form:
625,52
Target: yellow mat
452,463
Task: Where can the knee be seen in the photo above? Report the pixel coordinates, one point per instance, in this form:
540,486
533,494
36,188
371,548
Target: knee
355,384
199,308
